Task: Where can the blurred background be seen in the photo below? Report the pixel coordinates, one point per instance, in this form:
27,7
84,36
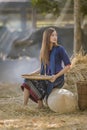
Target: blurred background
22,23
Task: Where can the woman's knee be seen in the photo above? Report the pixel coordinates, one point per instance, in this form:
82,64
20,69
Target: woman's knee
26,91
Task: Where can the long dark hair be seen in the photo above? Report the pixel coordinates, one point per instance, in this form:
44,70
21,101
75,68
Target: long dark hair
45,49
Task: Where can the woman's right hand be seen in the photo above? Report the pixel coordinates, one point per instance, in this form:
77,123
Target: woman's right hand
53,78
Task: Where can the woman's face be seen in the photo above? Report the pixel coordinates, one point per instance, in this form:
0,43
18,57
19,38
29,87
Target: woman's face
53,37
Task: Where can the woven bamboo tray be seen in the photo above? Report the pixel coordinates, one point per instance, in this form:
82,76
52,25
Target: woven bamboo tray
36,77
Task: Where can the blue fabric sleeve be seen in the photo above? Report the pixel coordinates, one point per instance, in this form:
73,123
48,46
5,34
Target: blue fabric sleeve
64,56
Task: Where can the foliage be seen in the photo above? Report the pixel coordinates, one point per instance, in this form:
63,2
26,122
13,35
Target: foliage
55,6
84,6
47,6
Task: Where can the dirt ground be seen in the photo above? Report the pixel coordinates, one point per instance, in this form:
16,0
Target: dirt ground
14,116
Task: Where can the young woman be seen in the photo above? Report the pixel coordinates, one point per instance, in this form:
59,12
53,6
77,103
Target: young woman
54,62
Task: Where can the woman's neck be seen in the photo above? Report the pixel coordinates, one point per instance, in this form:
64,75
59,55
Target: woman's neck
51,46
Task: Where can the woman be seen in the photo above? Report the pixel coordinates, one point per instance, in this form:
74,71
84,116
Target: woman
52,55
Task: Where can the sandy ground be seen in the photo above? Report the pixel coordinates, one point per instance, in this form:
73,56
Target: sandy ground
14,116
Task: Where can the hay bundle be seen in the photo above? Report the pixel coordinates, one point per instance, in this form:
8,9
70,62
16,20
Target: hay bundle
78,72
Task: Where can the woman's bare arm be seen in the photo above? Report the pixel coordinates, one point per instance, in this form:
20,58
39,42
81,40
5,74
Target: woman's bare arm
63,71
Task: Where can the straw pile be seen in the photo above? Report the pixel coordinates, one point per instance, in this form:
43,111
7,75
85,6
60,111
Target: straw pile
78,72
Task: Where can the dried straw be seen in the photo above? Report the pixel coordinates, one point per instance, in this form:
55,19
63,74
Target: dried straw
78,72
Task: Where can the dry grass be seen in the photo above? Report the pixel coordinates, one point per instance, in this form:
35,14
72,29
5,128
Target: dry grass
78,72
14,116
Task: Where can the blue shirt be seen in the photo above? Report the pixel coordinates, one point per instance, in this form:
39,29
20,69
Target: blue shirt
58,58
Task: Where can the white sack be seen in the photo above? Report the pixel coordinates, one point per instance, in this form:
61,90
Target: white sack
62,101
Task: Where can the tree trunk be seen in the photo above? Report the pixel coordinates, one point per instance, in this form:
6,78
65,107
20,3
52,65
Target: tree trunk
34,19
84,37
77,27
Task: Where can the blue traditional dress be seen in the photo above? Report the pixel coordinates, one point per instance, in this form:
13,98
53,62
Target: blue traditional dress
58,58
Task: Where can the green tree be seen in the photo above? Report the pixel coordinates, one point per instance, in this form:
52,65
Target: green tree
55,6
83,7
46,6
43,6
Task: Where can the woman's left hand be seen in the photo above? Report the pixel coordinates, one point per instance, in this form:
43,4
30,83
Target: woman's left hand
53,78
